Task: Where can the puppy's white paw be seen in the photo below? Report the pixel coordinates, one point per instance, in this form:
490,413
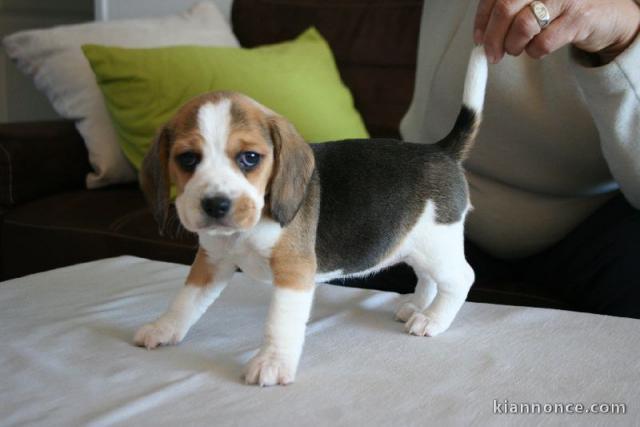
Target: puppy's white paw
160,332
405,311
268,368
424,325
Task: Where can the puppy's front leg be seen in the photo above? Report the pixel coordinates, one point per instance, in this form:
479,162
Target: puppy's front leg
277,360
203,286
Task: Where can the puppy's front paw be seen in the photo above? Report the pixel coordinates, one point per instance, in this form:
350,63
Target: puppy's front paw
421,324
269,368
405,311
160,332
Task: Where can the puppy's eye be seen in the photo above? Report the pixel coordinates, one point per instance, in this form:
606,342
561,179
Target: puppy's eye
248,160
188,160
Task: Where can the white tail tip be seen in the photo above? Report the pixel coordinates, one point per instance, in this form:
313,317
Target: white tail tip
475,83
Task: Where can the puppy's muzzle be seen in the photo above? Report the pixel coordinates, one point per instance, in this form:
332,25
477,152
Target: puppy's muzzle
216,207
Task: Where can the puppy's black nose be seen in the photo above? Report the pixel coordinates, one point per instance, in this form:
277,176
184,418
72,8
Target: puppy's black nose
216,207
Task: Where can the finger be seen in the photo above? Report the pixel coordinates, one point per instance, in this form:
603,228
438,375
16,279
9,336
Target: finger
482,18
502,15
525,27
560,33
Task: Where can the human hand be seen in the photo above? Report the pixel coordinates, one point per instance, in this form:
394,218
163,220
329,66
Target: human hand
603,27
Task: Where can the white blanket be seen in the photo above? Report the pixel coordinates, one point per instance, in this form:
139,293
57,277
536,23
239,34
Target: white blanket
66,358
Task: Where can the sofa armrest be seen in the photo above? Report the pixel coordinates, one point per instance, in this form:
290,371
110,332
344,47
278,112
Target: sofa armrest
38,159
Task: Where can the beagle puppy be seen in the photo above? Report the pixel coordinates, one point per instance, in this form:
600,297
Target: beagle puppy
264,201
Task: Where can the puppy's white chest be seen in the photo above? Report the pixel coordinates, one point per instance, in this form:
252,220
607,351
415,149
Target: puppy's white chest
255,266
251,251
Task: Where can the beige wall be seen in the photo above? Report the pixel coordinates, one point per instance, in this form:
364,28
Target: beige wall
19,99
107,10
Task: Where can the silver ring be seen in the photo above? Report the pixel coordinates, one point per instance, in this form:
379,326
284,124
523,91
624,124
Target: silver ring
541,13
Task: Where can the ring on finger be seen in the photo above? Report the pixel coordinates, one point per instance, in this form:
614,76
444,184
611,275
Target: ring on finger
541,13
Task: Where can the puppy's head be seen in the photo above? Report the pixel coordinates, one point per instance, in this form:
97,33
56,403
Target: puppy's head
232,161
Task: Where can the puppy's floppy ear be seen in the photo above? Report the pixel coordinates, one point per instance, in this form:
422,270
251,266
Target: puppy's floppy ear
292,170
154,178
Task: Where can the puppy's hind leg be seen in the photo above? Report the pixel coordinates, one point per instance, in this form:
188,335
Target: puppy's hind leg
203,286
421,298
443,255
437,317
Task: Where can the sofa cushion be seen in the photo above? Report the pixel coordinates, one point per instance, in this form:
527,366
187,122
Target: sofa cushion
39,159
297,79
85,225
53,58
374,43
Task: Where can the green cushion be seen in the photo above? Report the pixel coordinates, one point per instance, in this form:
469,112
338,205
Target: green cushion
143,88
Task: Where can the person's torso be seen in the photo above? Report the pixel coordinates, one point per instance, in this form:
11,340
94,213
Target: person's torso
536,169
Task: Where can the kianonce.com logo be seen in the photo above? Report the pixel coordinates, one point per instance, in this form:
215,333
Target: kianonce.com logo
505,407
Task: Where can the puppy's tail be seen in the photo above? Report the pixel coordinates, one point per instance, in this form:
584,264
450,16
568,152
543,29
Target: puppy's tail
458,142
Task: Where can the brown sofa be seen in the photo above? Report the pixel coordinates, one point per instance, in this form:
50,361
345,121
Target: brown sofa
48,219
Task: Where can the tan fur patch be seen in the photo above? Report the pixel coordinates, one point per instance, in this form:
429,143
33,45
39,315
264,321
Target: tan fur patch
202,271
293,168
293,258
249,132
244,212
292,267
190,142
252,140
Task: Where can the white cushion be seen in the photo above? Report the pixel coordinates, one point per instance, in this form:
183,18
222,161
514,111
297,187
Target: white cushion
55,61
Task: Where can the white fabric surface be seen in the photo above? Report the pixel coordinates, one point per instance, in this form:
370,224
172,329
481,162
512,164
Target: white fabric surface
66,358
53,58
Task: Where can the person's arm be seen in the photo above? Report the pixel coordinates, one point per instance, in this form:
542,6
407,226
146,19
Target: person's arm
612,94
606,47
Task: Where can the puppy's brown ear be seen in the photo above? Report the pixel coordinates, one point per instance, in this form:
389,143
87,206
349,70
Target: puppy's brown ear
292,170
154,178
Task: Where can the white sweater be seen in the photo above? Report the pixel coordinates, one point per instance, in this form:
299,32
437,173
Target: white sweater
558,139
